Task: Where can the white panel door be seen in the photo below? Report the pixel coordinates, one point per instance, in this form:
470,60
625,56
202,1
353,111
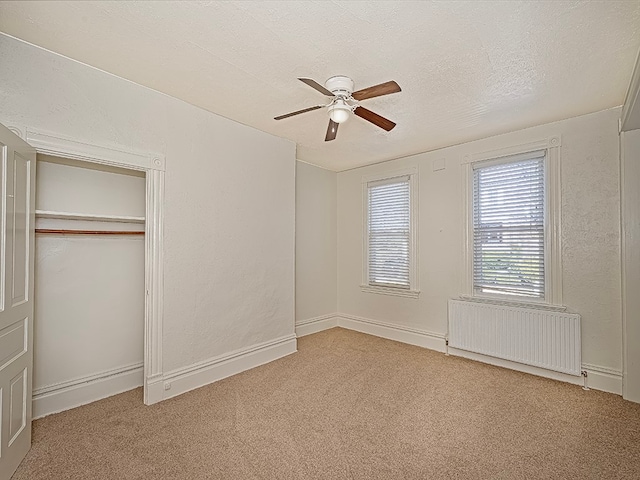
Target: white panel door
17,204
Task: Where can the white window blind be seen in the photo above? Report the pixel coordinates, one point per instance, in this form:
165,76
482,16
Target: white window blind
508,227
389,229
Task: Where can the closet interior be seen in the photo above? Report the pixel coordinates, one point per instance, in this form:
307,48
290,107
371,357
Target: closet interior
89,282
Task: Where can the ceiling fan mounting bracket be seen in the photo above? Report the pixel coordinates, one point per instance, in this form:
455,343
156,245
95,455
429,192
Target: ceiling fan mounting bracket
340,86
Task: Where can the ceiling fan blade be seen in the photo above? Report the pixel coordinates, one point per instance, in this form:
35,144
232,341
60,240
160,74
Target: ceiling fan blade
377,90
374,118
332,131
298,112
313,84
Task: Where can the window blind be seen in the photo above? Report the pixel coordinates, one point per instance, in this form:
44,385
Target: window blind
389,232
508,227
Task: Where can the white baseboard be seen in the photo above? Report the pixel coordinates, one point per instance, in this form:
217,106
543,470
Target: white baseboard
200,374
520,367
80,391
603,378
154,389
316,324
412,336
598,378
73,393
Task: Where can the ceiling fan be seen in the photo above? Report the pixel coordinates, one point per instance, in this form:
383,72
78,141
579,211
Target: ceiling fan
345,101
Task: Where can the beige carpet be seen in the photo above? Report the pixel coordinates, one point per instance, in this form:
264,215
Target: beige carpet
349,406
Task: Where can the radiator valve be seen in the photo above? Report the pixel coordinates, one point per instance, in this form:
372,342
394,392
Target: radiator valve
584,377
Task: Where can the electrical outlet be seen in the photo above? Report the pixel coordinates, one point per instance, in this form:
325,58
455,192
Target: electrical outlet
167,386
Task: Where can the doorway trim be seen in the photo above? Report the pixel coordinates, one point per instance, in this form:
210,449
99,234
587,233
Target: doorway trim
153,164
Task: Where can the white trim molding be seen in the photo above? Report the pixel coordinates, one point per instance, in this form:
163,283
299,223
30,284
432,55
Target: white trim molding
80,391
390,331
554,141
414,205
603,378
396,292
54,143
316,324
553,219
153,164
154,288
598,378
181,380
508,303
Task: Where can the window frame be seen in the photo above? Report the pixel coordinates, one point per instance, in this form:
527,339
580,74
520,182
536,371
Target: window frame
413,291
552,221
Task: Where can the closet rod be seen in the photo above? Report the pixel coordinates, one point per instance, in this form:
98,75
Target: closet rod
86,232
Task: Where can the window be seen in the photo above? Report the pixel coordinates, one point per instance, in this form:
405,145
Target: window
509,215
390,236
389,233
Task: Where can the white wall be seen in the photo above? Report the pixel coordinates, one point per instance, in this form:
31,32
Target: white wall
89,290
316,242
631,261
229,205
590,234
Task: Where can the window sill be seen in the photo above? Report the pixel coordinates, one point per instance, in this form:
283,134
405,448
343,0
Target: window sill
398,292
514,303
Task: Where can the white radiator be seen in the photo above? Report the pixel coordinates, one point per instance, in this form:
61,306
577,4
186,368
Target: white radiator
542,338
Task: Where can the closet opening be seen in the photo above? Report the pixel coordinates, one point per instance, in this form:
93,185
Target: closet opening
89,322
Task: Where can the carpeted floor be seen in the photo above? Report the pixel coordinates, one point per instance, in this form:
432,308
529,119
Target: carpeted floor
348,406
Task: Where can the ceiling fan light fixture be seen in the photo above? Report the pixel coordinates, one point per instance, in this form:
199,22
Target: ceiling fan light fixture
339,111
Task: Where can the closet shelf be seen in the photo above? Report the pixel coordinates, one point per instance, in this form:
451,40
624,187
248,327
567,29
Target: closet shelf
87,216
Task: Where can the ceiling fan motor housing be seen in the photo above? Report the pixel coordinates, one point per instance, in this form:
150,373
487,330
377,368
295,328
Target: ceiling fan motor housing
340,85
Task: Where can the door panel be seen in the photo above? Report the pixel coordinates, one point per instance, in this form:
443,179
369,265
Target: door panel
4,154
17,195
17,405
21,193
13,342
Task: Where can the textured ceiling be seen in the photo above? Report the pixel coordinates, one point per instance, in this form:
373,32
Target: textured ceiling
468,69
